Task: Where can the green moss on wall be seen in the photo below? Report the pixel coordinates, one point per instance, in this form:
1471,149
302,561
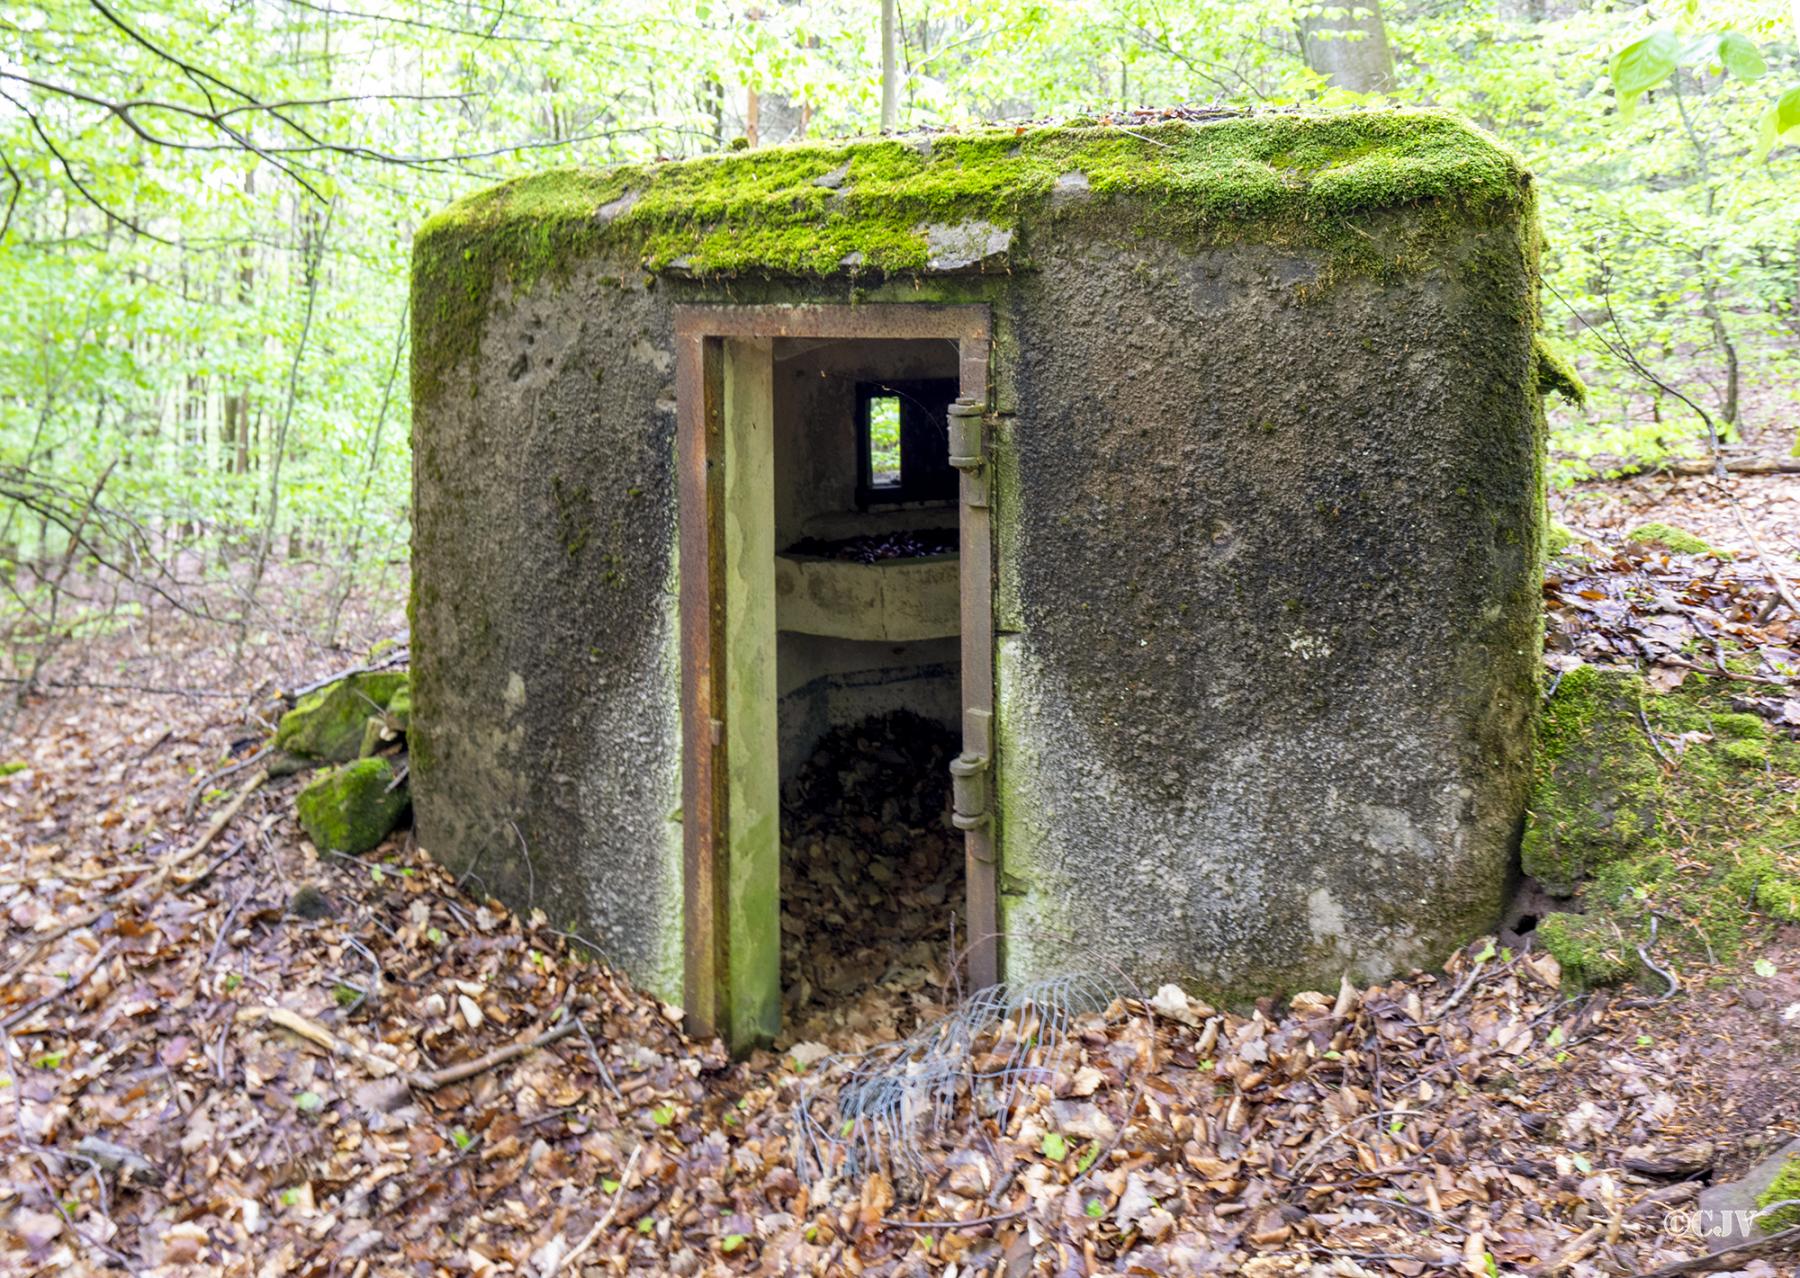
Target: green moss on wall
836,208
1596,787
1556,372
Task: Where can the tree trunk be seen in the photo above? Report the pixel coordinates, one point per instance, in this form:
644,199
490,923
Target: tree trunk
1347,44
890,67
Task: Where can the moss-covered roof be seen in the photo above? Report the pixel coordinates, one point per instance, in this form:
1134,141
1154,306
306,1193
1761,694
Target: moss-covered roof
816,209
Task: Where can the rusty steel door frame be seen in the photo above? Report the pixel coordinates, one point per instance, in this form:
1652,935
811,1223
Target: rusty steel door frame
701,334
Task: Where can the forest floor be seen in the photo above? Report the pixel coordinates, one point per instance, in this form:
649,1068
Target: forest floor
234,1055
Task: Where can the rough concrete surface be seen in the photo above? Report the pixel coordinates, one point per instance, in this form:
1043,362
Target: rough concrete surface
1268,535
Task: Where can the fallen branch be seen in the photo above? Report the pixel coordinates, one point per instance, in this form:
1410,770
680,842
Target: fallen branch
1721,672
394,658
499,1056
1762,555
213,830
205,783
381,1067
69,986
164,869
1578,1249
322,1038
80,685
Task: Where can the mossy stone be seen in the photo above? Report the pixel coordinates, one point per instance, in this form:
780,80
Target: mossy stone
1597,787
1675,540
351,809
376,734
399,707
1559,538
1785,1188
327,725
1591,951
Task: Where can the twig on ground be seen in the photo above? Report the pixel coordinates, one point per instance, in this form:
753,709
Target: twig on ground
68,987
580,1249
205,783
1762,555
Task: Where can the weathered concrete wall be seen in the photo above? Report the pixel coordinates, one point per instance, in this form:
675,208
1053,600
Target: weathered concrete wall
1267,509
547,745
1270,559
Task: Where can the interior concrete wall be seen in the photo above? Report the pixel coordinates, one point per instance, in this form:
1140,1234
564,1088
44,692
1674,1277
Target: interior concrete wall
839,660
833,683
816,425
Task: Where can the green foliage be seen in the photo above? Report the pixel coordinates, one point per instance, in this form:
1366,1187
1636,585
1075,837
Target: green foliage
189,263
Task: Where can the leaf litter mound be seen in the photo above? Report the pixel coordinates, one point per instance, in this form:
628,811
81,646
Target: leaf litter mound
268,1061
872,880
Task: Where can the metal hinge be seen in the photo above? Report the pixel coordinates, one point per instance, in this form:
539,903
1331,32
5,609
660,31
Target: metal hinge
968,449
969,791
970,773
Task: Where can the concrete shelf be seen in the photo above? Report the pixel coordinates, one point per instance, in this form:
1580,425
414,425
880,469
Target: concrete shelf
892,600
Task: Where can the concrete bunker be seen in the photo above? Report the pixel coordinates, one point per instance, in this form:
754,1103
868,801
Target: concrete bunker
1241,454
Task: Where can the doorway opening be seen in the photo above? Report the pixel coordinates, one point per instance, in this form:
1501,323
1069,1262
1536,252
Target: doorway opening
837,665
868,670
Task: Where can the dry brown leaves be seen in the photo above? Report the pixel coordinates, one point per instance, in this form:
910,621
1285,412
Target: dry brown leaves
160,1120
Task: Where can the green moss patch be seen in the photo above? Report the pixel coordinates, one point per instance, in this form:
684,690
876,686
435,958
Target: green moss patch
1597,786
814,210
327,725
1559,538
399,708
1704,838
1592,951
1672,539
1785,1188
1556,372
353,808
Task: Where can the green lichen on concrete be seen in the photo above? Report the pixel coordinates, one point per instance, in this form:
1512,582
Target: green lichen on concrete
1785,1188
1718,857
1670,538
1592,951
327,725
814,210
1556,372
353,808
1596,782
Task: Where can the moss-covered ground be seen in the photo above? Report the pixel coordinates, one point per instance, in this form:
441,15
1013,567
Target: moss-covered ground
1673,810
